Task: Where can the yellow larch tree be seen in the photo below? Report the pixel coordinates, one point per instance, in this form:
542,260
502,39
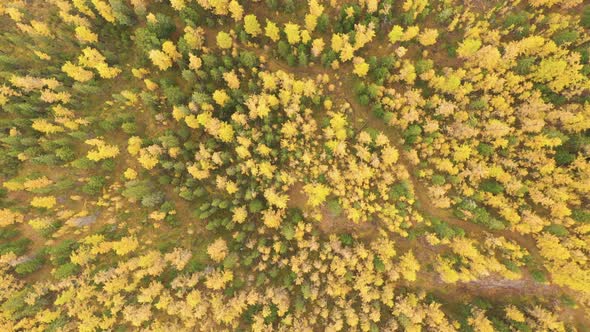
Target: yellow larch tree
272,31
102,150
46,202
224,40
104,9
409,266
232,80
396,34
317,46
293,33
272,218
220,97
160,59
217,250
76,72
361,68
251,25
236,10
130,174
178,4
316,193
125,245
428,37
86,35
170,49
239,214
9,217
46,127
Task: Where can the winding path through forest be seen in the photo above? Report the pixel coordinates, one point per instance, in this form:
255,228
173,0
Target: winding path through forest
493,286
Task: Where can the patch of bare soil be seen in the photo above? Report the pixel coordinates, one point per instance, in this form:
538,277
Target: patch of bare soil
339,224
498,288
297,198
331,223
494,285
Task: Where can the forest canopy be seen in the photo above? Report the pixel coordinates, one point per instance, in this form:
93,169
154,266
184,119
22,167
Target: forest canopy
321,165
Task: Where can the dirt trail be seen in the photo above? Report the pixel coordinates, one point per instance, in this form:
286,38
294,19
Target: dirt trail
363,118
493,287
426,206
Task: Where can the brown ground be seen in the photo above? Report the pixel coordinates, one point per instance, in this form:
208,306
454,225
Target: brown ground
331,223
492,287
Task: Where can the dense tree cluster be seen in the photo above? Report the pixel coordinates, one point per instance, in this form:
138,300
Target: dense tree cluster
284,165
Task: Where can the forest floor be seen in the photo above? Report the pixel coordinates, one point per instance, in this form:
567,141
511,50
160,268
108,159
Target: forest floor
494,286
500,289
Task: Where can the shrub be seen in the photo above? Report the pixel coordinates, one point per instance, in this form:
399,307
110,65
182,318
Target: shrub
334,207
399,190
65,154
255,205
438,180
129,128
585,19
346,239
323,22
443,230
173,93
248,59
364,100
581,215
517,19
303,60
563,157
8,233
136,189
153,199
524,65
288,231
557,230
478,214
162,27
18,247
284,48
539,276
30,266
82,163
291,60
485,150
145,40
94,185
565,36
66,270
423,65
491,186
412,133
60,254
378,264
231,260
478,104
